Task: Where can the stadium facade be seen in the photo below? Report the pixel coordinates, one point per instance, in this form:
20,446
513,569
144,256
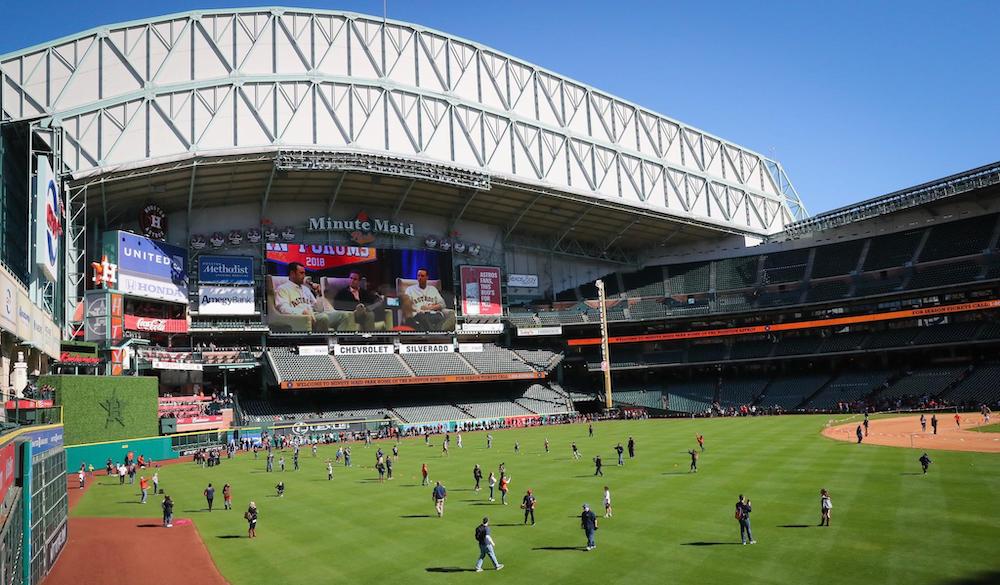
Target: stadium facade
171,187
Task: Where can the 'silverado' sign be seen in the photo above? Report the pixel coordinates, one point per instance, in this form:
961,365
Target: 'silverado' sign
225,270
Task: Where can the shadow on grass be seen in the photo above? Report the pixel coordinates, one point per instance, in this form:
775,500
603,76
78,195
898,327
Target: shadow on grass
449,570
510,524
677,473
701,543
230,536
416,516
986,578
576,548
129,502
479,503
794,525
911,473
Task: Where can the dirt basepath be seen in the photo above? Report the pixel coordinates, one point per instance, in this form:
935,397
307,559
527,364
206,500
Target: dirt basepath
905,431
117,550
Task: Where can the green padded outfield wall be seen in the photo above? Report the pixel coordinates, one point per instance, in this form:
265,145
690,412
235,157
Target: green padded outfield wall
106,408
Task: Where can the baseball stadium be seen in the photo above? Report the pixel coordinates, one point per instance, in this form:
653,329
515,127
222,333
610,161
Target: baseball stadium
327,264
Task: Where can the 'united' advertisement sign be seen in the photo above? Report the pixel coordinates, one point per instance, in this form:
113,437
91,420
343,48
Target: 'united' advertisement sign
225,270
481,290
148,268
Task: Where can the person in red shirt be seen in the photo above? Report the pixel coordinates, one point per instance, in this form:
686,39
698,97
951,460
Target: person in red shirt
144,486
701,441
504,485
958,420
423,472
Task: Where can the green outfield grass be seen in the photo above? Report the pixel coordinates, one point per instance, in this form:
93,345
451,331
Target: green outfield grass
993,428
891,524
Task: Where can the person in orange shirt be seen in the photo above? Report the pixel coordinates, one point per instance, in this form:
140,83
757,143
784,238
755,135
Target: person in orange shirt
958,420
144,486
423,472
227,497
504,485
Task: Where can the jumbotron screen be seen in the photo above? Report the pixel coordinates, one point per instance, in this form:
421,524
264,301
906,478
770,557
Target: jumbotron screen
332,288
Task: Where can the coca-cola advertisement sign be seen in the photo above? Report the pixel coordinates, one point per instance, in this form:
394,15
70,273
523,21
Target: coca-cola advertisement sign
155,324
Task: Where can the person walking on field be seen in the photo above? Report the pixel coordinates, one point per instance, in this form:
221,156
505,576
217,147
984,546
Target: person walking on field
546,444
743,510
486,545
227,497
865,423
925,462
701,442
209,496
598,466
423,473
621,452
694,461
168,512
607,502
576,452
923,423
439,495
528,505
143,486
934,423
492,482
251,518
859,433
477,476
825,505
156,482
590,430
489,441
588,521
504,486
958,420
631,448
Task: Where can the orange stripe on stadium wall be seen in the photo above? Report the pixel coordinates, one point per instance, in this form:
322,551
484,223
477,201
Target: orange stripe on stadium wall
890,316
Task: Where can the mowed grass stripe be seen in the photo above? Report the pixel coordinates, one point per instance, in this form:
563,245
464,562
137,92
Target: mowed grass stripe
887,527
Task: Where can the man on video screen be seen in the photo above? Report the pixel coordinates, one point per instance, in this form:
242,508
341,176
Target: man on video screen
297,296
361,301
427,310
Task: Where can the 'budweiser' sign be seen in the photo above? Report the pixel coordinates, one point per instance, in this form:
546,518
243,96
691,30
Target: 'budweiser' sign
155,324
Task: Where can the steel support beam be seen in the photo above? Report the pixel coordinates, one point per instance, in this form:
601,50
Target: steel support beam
402,200
521,215
461,212
194,172
621,233
572,226
267,192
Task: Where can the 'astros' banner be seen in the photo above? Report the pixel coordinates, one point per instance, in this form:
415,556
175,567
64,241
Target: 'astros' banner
836,322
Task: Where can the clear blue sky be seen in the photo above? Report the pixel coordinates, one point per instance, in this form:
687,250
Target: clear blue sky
855,99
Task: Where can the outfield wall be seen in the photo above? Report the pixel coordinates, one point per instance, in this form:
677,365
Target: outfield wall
102,408
34,528
96,454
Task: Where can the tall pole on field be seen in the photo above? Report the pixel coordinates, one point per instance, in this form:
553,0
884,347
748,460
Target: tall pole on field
605,353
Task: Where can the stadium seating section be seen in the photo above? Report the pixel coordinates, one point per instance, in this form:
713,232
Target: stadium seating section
943,254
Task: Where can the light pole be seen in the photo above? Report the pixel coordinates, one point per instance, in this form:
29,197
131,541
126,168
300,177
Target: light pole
605,353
